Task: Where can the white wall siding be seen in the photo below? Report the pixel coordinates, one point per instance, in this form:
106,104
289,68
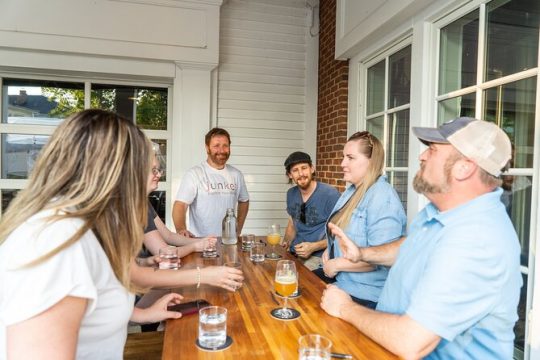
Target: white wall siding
262,79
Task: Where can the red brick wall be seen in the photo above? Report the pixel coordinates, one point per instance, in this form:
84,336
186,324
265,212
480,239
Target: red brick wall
332,103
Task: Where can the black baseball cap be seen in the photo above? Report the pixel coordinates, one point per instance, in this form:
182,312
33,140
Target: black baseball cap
296,157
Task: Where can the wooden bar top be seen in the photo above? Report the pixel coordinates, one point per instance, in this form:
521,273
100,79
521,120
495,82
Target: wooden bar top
255,333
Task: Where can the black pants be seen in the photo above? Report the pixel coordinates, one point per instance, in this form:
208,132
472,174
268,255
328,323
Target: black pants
320,273
366,303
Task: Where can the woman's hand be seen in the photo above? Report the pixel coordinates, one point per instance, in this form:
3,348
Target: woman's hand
324,256
151,261
158,310
205,242
222,276
349,250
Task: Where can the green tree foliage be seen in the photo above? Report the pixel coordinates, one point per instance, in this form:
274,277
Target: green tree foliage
151,104
152,109
69,101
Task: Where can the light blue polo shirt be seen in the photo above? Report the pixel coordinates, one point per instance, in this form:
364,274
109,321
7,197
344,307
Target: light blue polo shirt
378,218
458,275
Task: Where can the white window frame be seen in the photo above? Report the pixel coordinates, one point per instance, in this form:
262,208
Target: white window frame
360,67
18,184
532,339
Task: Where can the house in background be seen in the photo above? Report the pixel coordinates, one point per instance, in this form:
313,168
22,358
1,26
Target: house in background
286,75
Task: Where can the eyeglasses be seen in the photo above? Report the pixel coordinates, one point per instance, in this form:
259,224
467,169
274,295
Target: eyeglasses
362,135
303,213
158,172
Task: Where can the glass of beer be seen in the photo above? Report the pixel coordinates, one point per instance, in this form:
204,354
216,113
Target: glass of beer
285,283
273,238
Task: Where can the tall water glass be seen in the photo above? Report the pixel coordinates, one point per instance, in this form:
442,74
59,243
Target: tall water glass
256,253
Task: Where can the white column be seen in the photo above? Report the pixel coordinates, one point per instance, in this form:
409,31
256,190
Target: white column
192,102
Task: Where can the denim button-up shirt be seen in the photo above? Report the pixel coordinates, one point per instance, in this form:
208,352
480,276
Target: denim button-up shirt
378,218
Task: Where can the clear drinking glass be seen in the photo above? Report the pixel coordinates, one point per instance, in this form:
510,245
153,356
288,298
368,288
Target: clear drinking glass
256,253
169,259
247,241
314,347
234,265
210,251
285,284
212,326
273,238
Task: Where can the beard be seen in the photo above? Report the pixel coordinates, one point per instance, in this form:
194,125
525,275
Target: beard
306,182
423,186
219,159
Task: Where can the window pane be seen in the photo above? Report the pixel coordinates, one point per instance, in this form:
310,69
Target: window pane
512,107
376,127
161,154
516,197
519,328
158,201
7,196
146,106
19,153
40,102
512,28
375,88
399,79
398,179
397,148
455,107
458,53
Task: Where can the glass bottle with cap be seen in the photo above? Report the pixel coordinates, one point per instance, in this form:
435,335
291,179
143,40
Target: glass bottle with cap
228,234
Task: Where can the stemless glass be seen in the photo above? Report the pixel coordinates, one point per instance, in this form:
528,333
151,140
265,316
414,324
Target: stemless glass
314,346
285,283
169,259
234,265
273,238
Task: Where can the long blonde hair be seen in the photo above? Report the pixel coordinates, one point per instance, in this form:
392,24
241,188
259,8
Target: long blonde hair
94,168
372,148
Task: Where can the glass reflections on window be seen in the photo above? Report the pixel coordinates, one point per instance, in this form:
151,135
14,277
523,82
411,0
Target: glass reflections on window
512,28
375,86
512,107
146,106
399,78
458,54
39,102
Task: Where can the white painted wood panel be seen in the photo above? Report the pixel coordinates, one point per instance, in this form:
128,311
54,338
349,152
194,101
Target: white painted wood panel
157,29
254,60
257,96
262,87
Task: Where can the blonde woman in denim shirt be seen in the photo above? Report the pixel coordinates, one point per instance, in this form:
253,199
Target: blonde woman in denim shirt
371,214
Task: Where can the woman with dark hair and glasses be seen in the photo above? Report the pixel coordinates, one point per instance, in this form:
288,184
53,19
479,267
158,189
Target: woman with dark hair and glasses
370,212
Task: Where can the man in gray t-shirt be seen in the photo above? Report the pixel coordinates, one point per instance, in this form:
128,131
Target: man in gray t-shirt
209,189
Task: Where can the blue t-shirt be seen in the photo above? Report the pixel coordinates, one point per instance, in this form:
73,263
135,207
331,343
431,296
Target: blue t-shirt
318,208
379,218
458,275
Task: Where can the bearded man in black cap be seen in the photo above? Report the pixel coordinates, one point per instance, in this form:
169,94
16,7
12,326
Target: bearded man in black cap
309,204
